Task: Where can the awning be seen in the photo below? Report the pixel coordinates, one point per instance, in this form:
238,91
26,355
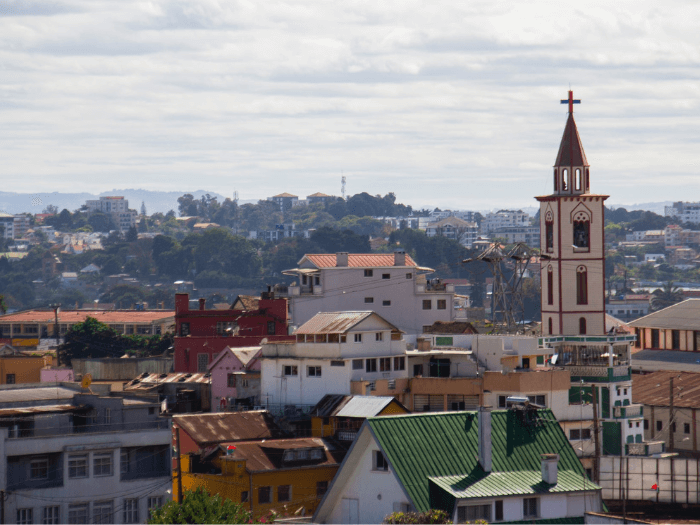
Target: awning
302,271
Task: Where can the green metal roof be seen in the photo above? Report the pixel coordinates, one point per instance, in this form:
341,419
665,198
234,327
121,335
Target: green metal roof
511,484
421,446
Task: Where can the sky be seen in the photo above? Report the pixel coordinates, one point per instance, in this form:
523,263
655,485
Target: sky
444,103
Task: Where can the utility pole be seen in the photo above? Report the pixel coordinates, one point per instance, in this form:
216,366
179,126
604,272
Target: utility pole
670,417
2,506
596,439
179,466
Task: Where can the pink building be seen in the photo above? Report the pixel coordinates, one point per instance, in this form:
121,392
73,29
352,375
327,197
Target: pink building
235,378
56,375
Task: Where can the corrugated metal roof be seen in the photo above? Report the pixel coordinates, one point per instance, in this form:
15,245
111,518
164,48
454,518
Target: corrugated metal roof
450,327
329,404
12,395
655,360
420,446
206,429
364,406
511,484
332,322
267,455
653,389
356,260
681,316
148,381
246,302
5,412
79,316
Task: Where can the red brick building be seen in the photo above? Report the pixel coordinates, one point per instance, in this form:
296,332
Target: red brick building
201,334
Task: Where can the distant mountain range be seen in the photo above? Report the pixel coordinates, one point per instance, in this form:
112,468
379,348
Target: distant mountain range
156,201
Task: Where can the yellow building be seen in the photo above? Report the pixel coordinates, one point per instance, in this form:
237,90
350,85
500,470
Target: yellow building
341,417
20,368
285,475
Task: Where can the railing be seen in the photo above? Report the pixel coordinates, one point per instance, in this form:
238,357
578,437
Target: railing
159,424
600,373
289,411
645,449
628,411
347,436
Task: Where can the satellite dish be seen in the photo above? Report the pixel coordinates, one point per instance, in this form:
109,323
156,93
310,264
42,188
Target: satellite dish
87,381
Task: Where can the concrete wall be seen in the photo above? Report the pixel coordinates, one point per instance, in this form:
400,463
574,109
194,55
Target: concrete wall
117,369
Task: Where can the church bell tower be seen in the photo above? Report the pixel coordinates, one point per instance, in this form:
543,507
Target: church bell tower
572,243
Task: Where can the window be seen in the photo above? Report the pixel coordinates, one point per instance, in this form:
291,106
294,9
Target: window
184,329
317,280
102,512
581,285
244,383
358,338
372,385
102,464
386,303
549,325
9,379
370,365
378,336
502,401
264,495
316,453
131,510
284,493
530,508
291,370
564,180
78,513
576,434
321,488
270,328
499,510
549,235
24,516
244,496
39,469
442,304
380,462
313,371
427,304
417,370
582,326
675,340
409,275
369,273
659,426
108,416
655,338
399,363
577,179
202,362
582,234
646,424
472,513
338,363
538,399
673,427
386,276
154,502
52,515
231,381
686,428
78,466
385,364
357,364
224,328
369,300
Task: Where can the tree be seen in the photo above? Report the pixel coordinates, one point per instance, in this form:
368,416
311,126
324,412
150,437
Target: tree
431,516
100,222
199,507
143,209
90,338
132,235
50,209
666,296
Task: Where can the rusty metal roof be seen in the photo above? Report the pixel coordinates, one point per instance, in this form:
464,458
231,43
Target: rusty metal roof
35,393
147,381
681,316
337,322
450,327
207,429
246,302
356,260
267,455
79,316
654,389
6,412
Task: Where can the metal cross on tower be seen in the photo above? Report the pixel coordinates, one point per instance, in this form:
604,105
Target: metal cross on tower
570,101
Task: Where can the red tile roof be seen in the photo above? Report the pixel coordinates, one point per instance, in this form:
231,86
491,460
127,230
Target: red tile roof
357,260
79,316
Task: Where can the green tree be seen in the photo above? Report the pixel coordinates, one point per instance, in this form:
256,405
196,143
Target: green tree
199,507
100,222
666,296
333,241
431,516
132,235
90,338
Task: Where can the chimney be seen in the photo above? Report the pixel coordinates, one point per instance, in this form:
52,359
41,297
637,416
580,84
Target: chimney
341,259
549,468
485,438
399,257
202,303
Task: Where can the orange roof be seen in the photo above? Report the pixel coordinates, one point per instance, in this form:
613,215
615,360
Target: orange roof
79,316
285,194
357,260
319,194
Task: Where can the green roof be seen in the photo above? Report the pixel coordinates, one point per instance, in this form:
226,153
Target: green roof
437,445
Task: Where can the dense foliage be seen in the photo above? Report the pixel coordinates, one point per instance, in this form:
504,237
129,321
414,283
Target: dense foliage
431,516
199,507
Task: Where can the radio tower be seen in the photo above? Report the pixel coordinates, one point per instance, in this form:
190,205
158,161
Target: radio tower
342,186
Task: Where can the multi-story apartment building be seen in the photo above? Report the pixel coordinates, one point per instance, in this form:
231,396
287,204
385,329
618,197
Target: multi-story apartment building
116,207
22,224
504,219
72,457
392,285
456,229
7,222
284,200
529,235
684,211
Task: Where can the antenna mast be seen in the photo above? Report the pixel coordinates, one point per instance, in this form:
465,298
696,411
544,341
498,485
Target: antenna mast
342,186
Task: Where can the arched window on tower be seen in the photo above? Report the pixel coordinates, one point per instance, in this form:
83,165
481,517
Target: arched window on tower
587,182
549,231
582,326
564,180
556,181
549,325
550,285
581,285
582,232
577,180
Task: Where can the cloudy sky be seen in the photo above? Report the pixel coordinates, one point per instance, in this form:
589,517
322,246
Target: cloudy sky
445,103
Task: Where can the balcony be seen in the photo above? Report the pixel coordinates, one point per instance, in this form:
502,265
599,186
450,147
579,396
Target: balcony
645,449
346,435
607,374
628,411
18,433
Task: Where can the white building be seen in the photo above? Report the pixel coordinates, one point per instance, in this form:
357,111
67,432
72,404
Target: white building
7,221
456,229
392,285
684,211
504,219
331,350
116,207
72,457
22,224
529,235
